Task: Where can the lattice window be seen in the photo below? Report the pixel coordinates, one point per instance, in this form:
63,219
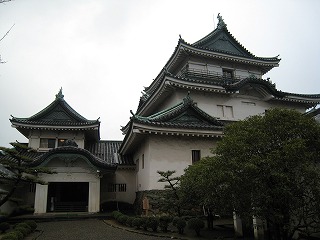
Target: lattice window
117,187
112,187
142,161
227,73
122,187
47,143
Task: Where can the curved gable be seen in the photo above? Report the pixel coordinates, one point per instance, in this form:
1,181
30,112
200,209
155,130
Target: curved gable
70,153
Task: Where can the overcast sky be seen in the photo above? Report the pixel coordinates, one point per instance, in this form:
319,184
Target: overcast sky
103,52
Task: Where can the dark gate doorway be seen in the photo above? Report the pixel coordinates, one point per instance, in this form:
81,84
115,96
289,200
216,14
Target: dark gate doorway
68,197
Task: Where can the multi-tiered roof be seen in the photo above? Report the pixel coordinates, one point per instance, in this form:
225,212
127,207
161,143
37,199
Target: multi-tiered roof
219,45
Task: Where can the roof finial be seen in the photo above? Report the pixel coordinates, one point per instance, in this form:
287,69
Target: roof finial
221,23
59,95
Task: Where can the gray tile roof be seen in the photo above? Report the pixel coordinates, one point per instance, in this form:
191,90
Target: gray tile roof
96,161
183,115
108,152
102,154
58,113
221,40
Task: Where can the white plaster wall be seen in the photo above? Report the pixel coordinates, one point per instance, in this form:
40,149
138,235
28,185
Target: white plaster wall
78,171
128,177
35,135
242,105
121,176
142,172
169,153
106,196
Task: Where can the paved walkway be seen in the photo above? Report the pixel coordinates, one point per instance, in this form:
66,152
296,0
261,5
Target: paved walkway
89,229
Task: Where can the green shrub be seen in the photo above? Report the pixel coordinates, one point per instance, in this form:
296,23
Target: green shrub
122,219
129,221
180,223
24,225
23,230
32,224
137,222
10,236
4,226
164,223
175,220
116,214
153,223
19,234
144,224
196,224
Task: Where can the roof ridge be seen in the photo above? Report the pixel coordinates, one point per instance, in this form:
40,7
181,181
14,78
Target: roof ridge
73,114
221,26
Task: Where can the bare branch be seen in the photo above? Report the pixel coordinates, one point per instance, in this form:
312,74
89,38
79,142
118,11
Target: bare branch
4,1
7,31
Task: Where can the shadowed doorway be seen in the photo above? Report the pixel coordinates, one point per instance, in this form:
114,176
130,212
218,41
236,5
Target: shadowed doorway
68,197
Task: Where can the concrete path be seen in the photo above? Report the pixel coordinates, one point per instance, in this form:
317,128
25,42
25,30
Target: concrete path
89,229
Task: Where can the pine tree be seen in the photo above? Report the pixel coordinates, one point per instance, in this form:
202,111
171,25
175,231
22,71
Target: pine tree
15,163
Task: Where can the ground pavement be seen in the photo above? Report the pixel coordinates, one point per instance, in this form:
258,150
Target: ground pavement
88,229
95,229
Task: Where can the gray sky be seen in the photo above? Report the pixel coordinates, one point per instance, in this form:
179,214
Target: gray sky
103,52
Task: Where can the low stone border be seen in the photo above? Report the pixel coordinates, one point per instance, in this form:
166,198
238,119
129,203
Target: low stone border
113,223
34,235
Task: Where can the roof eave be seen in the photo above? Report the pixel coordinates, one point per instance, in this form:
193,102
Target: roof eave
55,127
140,128
171,82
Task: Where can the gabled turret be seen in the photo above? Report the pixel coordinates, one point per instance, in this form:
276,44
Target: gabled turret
58,117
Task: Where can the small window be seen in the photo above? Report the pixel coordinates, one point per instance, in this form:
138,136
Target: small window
225,111
116,187
228,112
142,161
61,142
196,155
112,187
122,187
227,74
137,165
47,143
